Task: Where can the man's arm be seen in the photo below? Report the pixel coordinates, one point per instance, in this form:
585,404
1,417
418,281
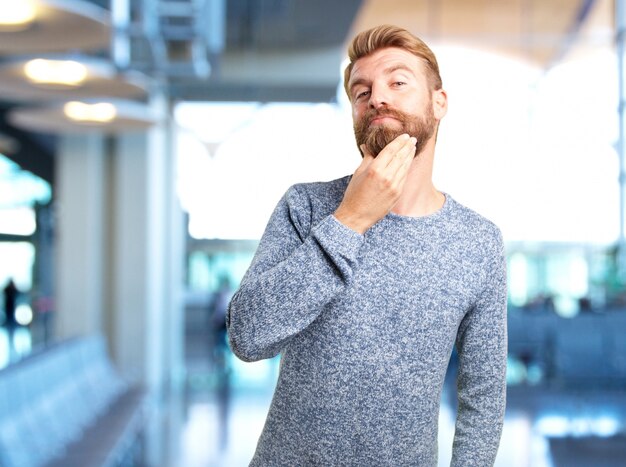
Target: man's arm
297,269
481,381
295,272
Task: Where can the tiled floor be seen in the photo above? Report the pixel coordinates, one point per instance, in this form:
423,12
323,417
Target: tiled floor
198,445
543,427
524,441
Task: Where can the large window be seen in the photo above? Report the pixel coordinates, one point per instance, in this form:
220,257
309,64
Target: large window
20,191
532,150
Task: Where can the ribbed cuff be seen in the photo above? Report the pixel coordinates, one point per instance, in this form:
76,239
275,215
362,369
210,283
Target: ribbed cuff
335,237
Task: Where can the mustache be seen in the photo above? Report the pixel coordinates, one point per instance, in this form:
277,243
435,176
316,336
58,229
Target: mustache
371,114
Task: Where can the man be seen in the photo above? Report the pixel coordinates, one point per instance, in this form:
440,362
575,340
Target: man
365,284
10,303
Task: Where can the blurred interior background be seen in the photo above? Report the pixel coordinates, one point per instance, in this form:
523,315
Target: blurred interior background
144,144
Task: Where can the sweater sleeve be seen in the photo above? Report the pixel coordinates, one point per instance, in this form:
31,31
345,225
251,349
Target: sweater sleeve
298,268
481,381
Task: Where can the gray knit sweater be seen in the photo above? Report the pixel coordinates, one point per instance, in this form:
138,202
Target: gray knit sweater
365,325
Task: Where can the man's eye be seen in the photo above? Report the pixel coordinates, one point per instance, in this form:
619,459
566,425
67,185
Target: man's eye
399,83
362,94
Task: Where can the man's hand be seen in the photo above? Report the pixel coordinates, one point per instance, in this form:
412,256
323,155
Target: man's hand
376,184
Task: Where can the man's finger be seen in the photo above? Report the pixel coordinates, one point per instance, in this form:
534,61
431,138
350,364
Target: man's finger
365,152
368,158
404,156
389,152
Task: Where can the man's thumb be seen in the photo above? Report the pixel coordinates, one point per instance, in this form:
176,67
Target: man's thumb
366,154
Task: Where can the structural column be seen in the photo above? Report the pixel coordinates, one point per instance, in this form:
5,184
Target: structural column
120,249
146,256
620,29
80,207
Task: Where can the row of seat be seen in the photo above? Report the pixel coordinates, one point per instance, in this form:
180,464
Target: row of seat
67,406
589,349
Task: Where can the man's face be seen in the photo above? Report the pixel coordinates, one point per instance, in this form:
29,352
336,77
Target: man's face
390,95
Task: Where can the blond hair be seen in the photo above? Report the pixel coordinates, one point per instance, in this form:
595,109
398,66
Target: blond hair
367,42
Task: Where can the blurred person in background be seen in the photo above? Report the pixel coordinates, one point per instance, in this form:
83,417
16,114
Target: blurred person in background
11,293
221,367
366,283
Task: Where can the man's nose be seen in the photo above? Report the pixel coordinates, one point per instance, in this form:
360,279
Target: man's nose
378,98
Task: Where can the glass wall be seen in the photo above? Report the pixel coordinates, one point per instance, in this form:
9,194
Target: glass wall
531,147
22,196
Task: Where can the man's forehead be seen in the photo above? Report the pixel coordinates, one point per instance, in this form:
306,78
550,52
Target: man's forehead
387,60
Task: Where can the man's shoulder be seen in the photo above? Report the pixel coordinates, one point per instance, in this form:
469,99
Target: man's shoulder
327,188
319,194
473,222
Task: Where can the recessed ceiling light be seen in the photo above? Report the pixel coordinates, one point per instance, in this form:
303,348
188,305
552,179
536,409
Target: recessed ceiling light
55,73
90,113
16,15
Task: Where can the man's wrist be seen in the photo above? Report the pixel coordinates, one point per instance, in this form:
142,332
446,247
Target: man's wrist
353,222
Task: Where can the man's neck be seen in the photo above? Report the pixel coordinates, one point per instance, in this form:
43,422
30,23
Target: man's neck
420,197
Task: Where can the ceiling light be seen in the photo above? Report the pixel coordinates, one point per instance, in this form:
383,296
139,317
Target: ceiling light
90,113
16,15
55,73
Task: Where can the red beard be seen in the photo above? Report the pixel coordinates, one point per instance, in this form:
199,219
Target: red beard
375,138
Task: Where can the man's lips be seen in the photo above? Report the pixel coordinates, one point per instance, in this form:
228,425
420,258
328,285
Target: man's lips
381,118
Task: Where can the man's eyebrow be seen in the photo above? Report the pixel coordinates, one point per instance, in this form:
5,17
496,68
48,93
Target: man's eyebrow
358,81
387,71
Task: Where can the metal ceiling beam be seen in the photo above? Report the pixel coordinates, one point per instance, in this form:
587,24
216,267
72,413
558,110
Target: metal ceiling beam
569,39
35,151
223,92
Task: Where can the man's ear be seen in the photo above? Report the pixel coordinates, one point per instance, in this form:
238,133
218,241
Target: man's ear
440,103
